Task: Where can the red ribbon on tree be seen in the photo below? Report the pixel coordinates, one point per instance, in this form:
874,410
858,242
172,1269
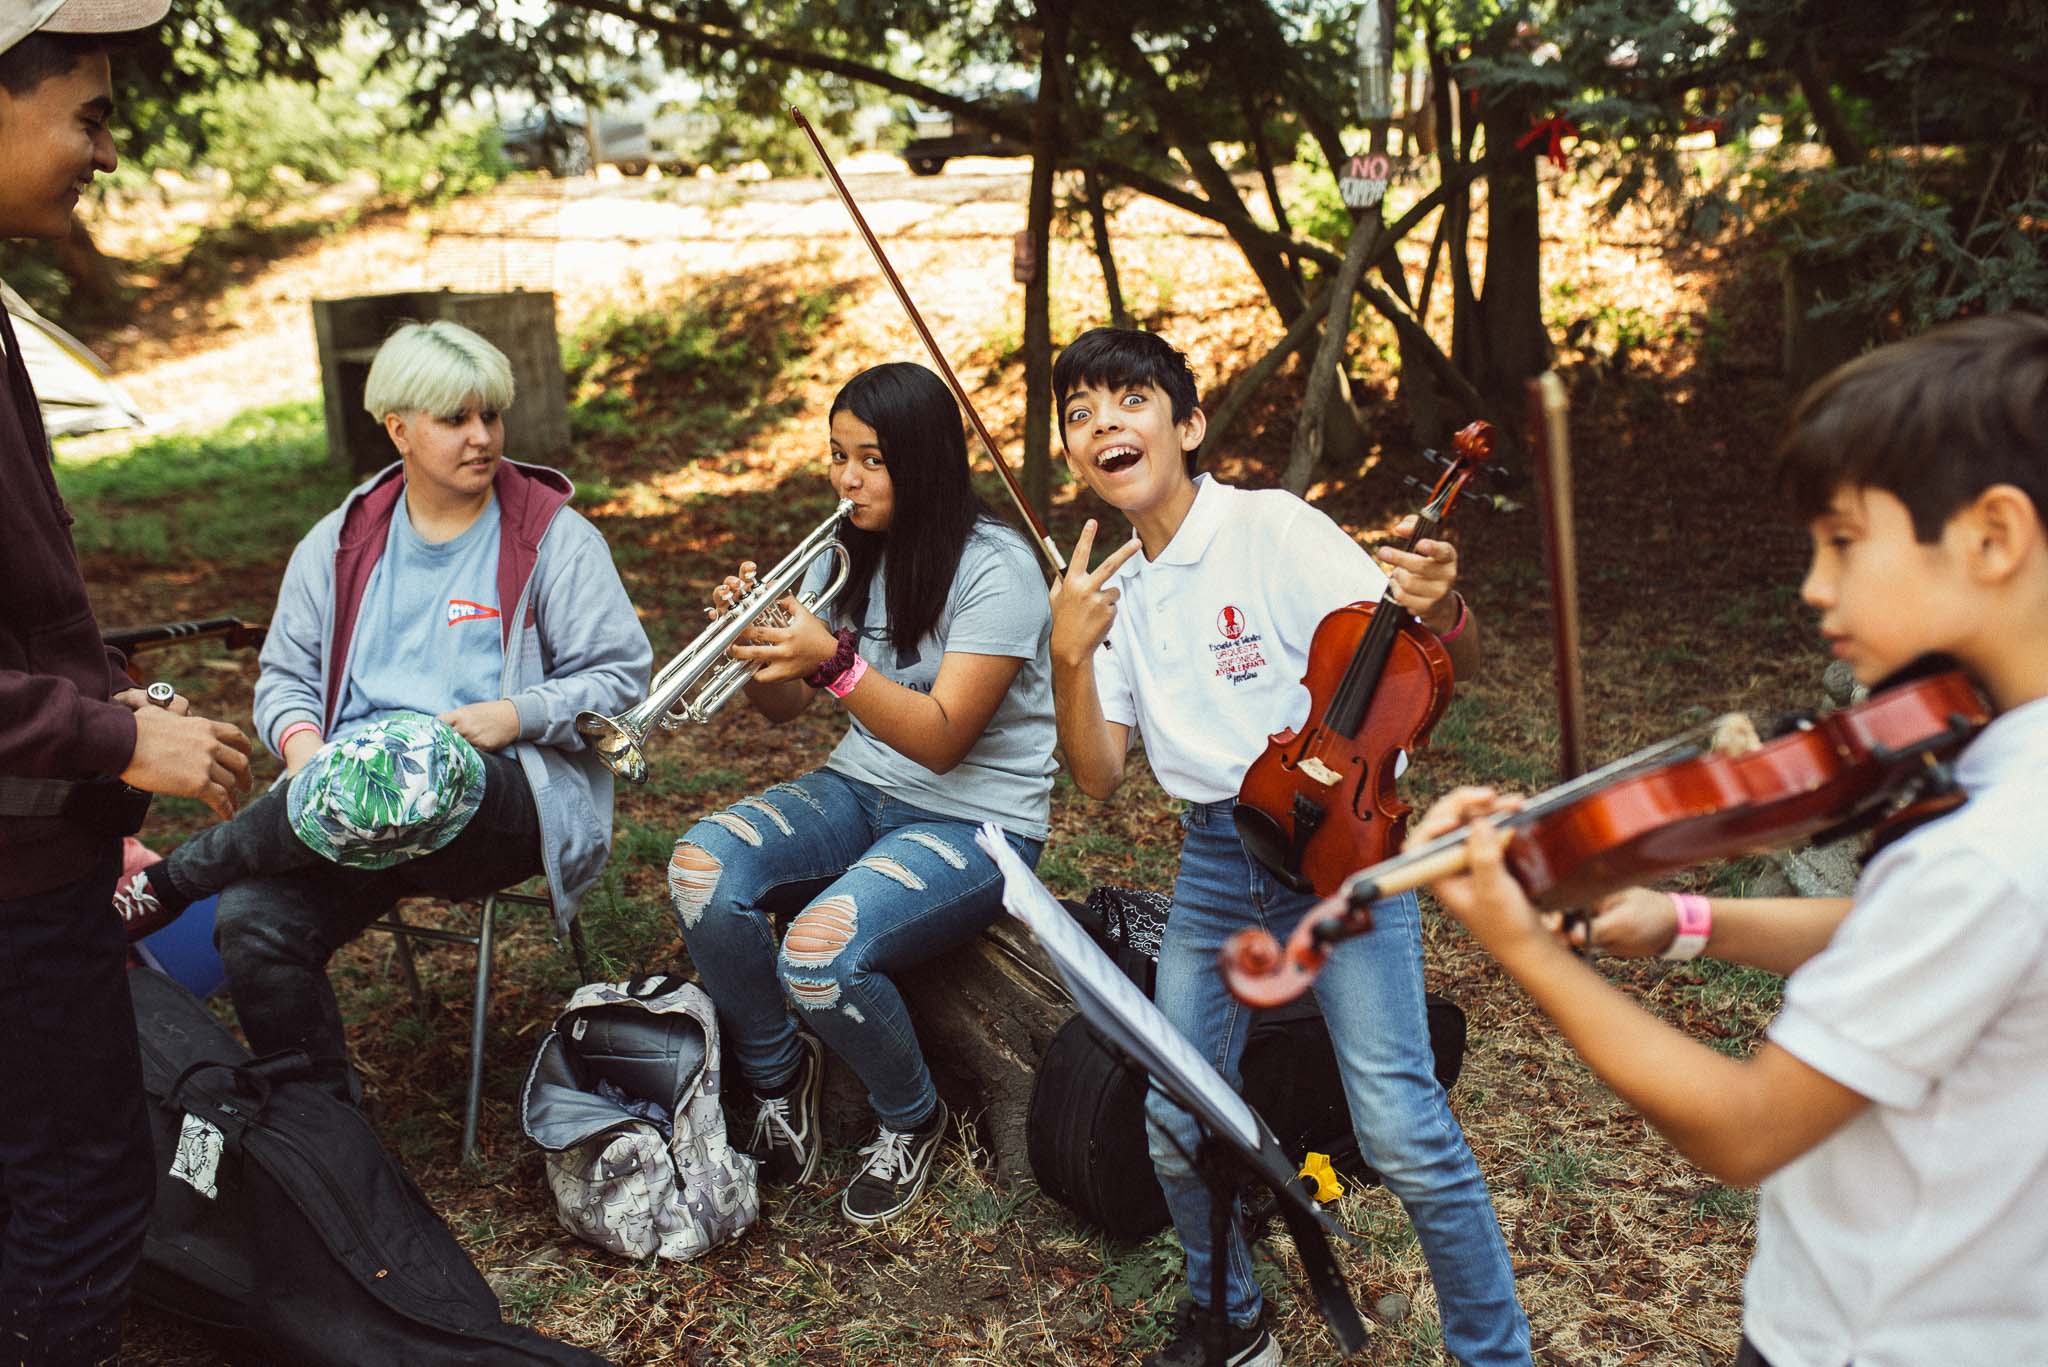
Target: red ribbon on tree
1554,130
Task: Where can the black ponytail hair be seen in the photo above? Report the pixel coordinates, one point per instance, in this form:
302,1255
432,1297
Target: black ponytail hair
917,425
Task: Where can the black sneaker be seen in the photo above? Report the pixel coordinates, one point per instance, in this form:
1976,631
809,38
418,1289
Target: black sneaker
1249,1346
893,1170
784,1137
145,906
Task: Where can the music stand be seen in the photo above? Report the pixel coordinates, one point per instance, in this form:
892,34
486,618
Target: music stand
1129,1022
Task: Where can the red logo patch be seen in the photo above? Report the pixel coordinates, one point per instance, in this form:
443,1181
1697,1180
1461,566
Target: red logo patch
462,610
1231,623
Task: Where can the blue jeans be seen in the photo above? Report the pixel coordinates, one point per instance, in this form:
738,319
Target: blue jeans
879,886
1371,996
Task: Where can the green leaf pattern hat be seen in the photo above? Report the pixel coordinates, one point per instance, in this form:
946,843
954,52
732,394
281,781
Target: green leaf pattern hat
403,786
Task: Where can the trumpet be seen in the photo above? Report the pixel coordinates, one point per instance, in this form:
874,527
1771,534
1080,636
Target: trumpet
700,680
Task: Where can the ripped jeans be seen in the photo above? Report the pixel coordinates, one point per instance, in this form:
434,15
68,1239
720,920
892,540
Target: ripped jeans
875,885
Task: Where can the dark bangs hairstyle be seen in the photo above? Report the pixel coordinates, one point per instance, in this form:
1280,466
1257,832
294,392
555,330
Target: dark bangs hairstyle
935,510
1933,421
1124,358
40,56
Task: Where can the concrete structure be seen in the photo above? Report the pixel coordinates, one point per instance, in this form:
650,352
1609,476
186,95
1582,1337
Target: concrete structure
521,324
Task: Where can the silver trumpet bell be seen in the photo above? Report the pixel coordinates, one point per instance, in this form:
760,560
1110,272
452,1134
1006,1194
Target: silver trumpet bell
700,680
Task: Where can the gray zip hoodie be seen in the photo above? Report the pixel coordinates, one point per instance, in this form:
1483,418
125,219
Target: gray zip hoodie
572,642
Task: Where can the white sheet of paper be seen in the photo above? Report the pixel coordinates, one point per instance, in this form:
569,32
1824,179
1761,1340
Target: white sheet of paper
1086,966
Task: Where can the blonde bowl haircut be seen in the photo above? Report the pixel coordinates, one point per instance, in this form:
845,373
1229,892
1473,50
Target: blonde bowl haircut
436,368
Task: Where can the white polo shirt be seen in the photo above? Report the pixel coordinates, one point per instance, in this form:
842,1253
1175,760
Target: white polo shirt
1918,1233
1211,639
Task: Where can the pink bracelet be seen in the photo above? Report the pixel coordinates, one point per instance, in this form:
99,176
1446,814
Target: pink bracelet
1695,924
843,685
1463,616
293,730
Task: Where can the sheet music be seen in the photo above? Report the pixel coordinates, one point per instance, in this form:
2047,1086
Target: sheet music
1088,970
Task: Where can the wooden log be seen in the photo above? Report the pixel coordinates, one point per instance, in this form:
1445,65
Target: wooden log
984,1014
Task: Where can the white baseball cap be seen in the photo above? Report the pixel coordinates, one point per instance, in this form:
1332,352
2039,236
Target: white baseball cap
20,18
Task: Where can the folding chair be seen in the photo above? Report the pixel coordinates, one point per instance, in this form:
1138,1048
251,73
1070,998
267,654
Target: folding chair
403,933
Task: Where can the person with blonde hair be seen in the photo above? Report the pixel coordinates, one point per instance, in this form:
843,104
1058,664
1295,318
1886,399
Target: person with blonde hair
434,639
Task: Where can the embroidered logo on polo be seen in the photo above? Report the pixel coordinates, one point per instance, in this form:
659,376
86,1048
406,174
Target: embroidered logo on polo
462,610
1238,656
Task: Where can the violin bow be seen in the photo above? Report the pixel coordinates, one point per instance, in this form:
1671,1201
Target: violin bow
1550,444
1046,548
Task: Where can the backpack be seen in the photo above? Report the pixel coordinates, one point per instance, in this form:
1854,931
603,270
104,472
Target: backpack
624,1096
283,1225
1085,1130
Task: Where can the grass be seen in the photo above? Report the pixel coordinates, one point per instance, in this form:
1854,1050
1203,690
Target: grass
696,417
160,504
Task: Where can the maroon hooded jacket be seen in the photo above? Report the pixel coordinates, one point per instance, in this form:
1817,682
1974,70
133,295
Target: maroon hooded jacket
56,675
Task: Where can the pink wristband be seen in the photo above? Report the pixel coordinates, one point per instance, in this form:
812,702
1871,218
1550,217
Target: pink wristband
843,685
1464,614
1695,924
293,730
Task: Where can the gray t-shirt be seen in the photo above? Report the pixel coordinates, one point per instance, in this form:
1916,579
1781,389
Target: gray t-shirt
997,606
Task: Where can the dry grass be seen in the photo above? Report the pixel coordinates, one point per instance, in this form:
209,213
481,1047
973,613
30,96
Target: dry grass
1623,1253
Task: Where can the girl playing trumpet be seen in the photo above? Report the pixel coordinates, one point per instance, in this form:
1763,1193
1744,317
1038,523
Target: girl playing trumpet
936,648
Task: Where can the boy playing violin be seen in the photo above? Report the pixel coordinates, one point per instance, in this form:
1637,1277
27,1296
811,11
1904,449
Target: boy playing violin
1895,1114
1224,601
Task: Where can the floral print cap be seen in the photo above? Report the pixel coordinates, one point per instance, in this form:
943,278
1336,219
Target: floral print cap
403,786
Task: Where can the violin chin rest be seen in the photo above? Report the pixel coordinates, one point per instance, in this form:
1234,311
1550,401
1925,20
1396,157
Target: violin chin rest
1267,841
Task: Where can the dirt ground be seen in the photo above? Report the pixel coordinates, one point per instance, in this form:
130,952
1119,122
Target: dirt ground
1623,1254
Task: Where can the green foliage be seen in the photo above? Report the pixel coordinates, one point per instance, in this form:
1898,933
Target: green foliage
1135,1275
1559,1168
1903,251
701,371
272,136
160,504
1313,205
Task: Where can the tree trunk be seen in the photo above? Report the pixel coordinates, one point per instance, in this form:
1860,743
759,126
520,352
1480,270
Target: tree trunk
1045,159
1260,254
1511,310
1322,376
1820,98
94,277
984,1014
1255,124
1098,223
1248,384
1454,149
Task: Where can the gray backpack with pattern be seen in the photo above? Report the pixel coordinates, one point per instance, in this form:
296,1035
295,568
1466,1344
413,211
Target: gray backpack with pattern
625,1098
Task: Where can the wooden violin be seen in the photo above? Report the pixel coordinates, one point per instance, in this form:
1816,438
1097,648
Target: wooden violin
1321,802
1697,797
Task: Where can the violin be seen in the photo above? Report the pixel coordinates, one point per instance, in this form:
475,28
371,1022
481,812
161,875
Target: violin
1708,794
1321,802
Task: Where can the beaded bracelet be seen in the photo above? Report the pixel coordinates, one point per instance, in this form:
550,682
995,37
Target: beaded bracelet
838,663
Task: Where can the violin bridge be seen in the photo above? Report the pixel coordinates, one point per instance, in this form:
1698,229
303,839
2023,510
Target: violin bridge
1320,772
1734,733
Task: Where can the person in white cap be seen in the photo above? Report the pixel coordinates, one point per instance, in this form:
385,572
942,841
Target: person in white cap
76,1168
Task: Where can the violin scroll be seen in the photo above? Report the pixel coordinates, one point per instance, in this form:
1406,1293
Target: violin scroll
1261,973
1473,443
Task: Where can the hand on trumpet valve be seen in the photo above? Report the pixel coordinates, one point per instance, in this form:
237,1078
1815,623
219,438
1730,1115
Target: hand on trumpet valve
734,588
788,651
